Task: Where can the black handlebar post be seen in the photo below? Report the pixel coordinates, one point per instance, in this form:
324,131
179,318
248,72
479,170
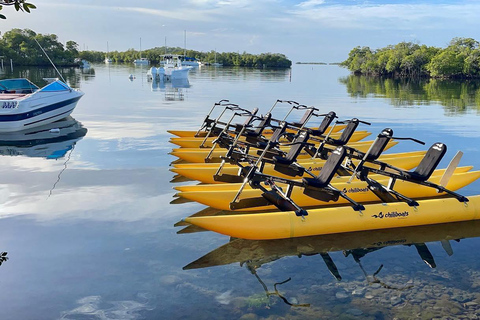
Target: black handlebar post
412,139
219,103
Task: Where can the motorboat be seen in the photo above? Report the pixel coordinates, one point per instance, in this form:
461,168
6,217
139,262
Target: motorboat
83,64
24,105
141,61
50,141
172,69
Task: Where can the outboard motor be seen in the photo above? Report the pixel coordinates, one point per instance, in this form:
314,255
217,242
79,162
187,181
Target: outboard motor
161,73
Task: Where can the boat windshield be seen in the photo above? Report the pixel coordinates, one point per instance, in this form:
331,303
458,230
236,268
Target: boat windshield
18,86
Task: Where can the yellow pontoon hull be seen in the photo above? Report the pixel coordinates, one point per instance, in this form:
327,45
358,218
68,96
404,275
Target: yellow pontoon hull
219,198
199,155
279,225
204,172
191,133
336,179
196,142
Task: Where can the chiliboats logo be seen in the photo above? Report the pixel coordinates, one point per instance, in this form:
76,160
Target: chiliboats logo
393,214
355,190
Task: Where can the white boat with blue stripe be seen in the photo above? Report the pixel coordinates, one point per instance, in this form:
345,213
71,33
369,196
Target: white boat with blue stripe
24,105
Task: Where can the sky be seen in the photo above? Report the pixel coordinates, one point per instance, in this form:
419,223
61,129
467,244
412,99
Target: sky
305,31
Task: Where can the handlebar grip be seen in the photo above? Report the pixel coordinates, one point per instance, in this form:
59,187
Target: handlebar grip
418,141
413,139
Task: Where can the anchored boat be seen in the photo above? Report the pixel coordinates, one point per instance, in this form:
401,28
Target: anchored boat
286,224
24,105
205,172
221,198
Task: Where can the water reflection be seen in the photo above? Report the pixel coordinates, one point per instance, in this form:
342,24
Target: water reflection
71,75
174,89
393,288
86,74
456,96
50,141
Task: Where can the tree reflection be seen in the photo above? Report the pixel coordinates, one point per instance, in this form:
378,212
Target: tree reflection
456,96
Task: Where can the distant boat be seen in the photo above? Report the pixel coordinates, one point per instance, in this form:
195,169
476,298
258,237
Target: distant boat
188,61
172,69
82,63
107,58
216,64
141,61
24,105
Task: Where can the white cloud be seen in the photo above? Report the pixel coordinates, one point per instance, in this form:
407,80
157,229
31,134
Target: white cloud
310,3
390,16
309,27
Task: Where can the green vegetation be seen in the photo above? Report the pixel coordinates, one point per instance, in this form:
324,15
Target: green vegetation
19,5
20,46
264,60
461,59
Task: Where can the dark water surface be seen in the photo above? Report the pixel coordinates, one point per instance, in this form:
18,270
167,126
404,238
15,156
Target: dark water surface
88,225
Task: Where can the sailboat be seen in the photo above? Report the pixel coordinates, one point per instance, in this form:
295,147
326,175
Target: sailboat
187,61
141,61
217,64
107,58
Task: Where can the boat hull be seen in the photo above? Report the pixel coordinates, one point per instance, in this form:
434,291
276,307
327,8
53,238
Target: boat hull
280,225
191,133
357,190
198,155
196,142
204,172
37,109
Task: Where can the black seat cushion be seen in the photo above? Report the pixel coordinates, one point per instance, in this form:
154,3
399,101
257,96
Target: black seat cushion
308,113
346,133
429,162
328,171
294,151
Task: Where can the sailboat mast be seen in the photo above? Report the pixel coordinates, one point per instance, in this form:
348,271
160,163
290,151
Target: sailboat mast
185,43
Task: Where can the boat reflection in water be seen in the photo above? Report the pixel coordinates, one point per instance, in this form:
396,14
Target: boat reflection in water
50,141
255,253
174,89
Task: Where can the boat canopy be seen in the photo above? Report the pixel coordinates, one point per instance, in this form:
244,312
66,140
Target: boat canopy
20,85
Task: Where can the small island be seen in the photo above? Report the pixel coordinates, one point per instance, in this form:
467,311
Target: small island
460,60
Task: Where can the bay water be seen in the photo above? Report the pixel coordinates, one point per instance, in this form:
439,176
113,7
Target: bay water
89,228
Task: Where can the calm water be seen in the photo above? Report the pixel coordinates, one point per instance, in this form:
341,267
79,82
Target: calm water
88,225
